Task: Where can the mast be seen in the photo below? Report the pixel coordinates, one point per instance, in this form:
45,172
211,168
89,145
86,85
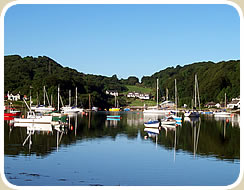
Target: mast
76,96
198,95
44,89
58,97
30,96
195,91
225,100
69,97
157,92
176,101
89,101
167,94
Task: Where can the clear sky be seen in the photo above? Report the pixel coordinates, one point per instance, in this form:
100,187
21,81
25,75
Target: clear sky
126,40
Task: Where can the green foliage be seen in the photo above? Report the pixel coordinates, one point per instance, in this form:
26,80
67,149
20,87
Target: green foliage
21,73
214,79
132,80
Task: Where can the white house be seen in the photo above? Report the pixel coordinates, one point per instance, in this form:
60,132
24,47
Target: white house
141,96
235,103
12,97
112,92
144,96
131,95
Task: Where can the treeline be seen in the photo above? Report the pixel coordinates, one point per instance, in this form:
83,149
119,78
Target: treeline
214,80
22,73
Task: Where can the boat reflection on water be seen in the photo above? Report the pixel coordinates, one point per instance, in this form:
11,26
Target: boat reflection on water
202,140
152,133
31,128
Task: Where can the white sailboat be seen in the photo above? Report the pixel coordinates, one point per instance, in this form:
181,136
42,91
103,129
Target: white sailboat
194,113
43,108
33,118
222,113
156,110
72,109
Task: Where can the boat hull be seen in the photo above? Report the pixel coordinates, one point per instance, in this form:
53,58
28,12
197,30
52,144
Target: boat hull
151,125
43,119
114,109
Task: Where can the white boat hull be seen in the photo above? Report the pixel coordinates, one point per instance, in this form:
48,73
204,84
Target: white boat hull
152,125
43,119
168,122
222,114
152,130
155,111
42,109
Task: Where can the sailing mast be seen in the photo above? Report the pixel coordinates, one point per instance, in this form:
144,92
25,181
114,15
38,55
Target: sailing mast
195,92
89,101
157,92
176,102
76,96
225,100
197,96
69,97
167,94
58,97
44,89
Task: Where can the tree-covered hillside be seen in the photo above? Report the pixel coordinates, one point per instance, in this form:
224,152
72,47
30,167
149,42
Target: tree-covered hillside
214,79
21,73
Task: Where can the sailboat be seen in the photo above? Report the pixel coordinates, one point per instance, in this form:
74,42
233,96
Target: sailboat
194,113
222,113
72,109
115,108
32,117
42,108
156,110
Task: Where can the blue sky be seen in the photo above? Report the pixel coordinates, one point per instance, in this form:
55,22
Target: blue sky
126,40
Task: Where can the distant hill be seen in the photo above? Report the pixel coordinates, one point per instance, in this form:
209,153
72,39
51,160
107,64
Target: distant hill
214,80
21,73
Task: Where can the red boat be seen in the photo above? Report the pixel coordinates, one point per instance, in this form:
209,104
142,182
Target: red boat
8,118
12,113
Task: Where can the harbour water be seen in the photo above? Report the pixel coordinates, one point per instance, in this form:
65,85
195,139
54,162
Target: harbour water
96,151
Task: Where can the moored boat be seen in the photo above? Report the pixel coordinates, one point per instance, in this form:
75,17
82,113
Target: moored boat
168,121
152,123
114,109
33,118
191,114
222,114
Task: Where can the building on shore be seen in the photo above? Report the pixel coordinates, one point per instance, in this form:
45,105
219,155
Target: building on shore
142,96
112,92
234,104
13,97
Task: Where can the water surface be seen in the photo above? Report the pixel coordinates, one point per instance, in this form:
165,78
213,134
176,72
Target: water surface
94,151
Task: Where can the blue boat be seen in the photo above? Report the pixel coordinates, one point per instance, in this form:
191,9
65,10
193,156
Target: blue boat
152,123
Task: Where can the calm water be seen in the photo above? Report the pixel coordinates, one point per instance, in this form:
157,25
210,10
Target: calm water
95,151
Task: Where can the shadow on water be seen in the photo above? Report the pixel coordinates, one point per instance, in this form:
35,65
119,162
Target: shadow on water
207,136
